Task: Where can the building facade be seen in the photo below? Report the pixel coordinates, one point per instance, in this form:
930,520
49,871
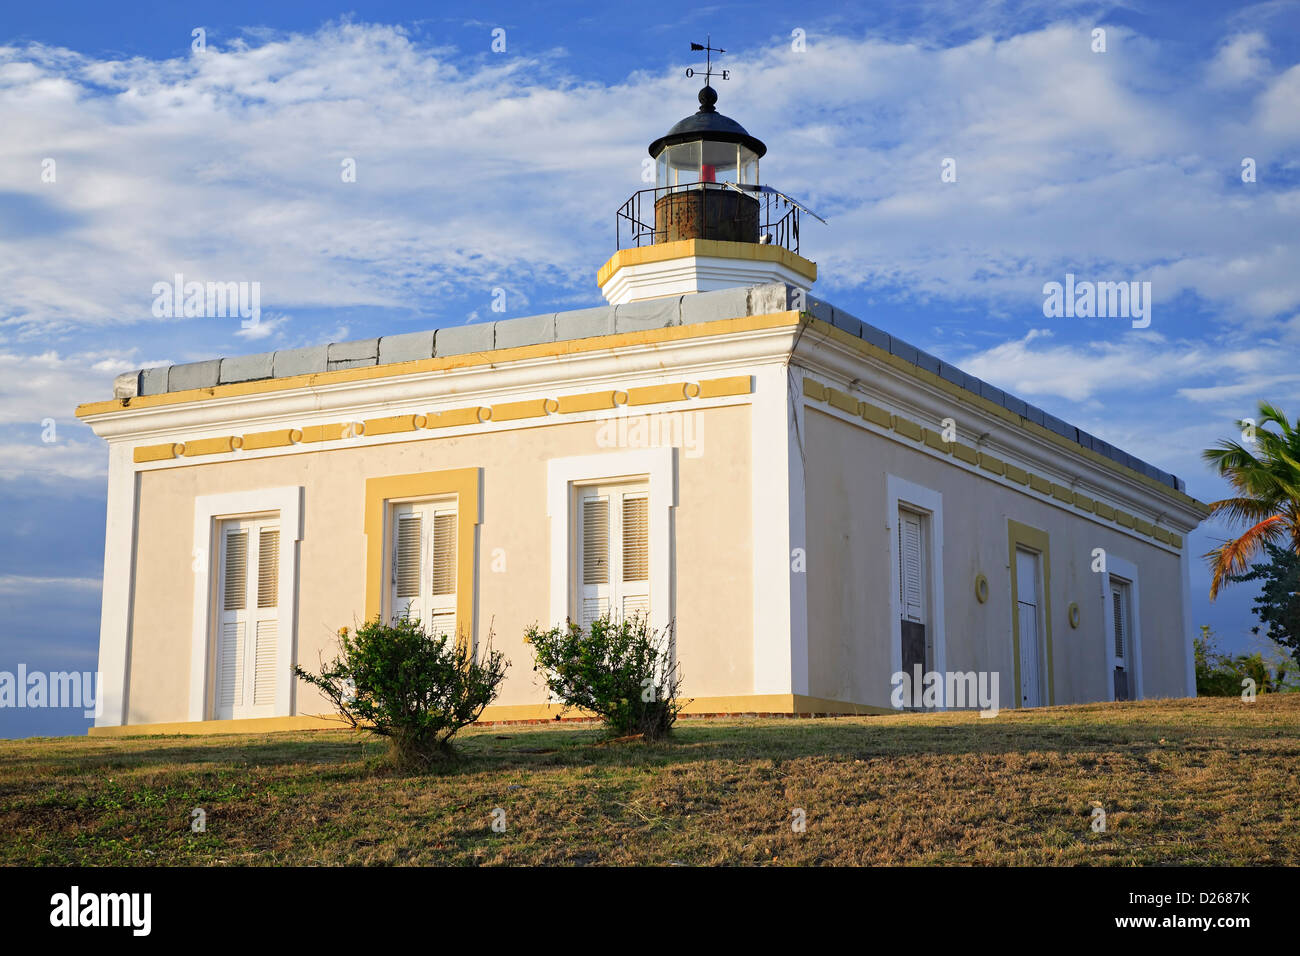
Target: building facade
813,505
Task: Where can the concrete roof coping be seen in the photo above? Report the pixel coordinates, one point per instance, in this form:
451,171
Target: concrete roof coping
586,323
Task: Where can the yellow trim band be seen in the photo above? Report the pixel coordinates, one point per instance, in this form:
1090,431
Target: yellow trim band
713,248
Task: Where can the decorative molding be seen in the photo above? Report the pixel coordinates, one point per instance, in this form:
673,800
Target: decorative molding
893,425
474,415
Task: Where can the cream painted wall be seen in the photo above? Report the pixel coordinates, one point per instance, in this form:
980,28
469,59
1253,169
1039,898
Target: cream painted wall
712,546
850,633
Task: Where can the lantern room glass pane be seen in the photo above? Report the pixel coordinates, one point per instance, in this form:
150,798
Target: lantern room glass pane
748,167
678,164
718,163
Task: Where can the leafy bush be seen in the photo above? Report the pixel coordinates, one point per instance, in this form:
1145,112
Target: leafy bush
415,689
1218,675
622,671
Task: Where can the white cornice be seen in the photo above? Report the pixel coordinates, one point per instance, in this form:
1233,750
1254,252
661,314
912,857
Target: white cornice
892,389
619,367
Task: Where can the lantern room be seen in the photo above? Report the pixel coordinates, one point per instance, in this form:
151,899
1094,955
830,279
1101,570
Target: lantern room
706,147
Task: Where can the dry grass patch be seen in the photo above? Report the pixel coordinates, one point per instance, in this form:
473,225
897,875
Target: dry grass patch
1210,781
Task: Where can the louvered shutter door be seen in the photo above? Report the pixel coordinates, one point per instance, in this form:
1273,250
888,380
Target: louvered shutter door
595,558
424,565
406,565
442,616
635,576
232,623
1117,602
911,568
248,627
267,624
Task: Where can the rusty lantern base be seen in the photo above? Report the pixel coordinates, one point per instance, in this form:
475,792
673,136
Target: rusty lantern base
706,213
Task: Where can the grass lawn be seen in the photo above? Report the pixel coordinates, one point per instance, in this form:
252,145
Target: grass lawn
1208,781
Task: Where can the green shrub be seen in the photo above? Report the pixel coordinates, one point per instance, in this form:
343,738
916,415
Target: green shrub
412,688
1218,675
622,671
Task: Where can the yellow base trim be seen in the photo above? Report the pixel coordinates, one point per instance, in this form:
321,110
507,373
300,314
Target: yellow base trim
782,704
715,248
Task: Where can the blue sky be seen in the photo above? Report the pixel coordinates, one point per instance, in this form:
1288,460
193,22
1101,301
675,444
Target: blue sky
479,170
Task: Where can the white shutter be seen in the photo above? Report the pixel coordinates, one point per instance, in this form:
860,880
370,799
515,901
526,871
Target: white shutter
406,565
264,669
911,568
1120,623
268,568
236,589
635,564
247,647
230,669
424,565
613,562
595,537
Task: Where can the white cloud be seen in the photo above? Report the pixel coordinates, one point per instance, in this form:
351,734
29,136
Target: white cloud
1240,60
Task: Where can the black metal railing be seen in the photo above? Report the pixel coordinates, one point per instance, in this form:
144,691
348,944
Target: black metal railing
778,218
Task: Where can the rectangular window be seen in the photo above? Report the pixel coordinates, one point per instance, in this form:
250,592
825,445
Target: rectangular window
247,631
613,553
423,563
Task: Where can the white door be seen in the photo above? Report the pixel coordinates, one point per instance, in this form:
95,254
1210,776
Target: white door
423,561
913,602
1028,615
614,552
1121,630
247,645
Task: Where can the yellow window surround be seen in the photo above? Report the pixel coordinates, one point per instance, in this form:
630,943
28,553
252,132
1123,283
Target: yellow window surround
461,482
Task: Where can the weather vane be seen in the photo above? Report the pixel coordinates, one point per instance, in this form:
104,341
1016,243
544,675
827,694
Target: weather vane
708,60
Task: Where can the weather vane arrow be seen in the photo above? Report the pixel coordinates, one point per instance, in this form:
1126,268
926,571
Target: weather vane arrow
708,50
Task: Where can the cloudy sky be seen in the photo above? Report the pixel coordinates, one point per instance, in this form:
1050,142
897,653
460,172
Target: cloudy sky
478,169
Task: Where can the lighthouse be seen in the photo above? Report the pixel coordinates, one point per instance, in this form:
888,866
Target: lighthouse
709,222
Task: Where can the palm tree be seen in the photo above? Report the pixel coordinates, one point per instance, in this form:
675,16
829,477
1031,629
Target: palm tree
1266,475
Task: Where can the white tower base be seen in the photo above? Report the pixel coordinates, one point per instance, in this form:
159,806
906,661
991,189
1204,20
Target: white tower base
699,265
